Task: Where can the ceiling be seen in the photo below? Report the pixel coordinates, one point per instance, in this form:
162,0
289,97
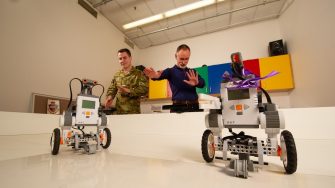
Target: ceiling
216,17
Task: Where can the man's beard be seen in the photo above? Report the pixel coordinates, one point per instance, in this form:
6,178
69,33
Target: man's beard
182,65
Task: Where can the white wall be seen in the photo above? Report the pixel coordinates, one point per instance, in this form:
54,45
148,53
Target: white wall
215,48
45,43
308,27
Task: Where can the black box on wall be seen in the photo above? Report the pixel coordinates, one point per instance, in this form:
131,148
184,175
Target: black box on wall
277,48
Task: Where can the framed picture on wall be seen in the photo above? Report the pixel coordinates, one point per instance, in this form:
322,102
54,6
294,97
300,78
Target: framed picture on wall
53,106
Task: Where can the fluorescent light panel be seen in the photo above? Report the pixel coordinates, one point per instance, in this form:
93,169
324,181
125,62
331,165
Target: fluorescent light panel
144,21
188,8
170,13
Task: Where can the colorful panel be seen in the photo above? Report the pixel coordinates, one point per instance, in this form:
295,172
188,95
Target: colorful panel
203,72
282,64
215,73
252,66
158,89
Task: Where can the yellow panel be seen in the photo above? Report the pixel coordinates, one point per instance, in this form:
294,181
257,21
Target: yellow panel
281,81
157,89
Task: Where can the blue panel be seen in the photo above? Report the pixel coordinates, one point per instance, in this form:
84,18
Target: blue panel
215,73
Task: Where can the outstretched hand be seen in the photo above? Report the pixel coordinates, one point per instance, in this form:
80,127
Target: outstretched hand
151,73
192,78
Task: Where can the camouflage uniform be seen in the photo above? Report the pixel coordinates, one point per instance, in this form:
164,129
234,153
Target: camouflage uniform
137,83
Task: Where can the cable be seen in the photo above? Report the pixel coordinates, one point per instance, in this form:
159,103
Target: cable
103,90
81,88
236,72
80,129
268,98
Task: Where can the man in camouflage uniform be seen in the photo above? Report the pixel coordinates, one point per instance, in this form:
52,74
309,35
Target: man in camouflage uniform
127,86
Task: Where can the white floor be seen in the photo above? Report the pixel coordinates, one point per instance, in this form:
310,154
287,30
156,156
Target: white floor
158,150
25,161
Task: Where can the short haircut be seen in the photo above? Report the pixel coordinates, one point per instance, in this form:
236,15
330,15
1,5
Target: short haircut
183,47
125,50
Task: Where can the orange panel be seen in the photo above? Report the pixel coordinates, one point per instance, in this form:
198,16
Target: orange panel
281,81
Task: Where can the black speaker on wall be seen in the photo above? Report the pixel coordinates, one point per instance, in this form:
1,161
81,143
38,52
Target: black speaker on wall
277,48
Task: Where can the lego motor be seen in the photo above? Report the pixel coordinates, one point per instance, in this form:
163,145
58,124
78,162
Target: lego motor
86,111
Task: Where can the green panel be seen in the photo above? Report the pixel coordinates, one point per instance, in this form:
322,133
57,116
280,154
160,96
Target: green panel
203,72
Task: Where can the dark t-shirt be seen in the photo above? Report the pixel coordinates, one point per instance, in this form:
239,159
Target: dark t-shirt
180,89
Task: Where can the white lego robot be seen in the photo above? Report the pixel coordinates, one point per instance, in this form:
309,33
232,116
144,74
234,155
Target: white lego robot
86,112
241,107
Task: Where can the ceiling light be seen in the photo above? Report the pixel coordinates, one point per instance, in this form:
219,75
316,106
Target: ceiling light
170,13
188,7
143,21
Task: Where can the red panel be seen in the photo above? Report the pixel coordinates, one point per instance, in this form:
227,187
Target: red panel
252,66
